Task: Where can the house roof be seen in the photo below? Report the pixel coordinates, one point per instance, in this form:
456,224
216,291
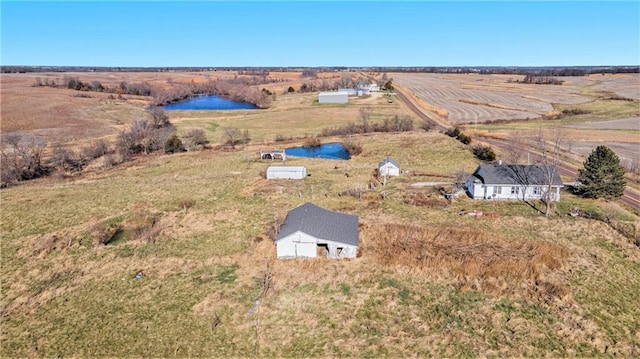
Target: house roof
517,175
321,223
388,160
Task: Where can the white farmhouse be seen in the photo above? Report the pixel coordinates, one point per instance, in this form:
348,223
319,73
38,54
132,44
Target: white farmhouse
514,182
309,231
286,172
333,97
388,167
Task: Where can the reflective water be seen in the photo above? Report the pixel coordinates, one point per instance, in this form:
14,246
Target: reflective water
330,151
209,102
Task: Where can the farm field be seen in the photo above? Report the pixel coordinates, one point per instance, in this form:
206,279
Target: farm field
472,98
198,227
77,117
590,110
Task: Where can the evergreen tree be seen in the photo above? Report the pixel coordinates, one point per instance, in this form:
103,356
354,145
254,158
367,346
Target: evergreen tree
602,176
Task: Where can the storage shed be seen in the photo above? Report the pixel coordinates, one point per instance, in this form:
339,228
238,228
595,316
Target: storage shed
388,167
309,231
333,97
286,172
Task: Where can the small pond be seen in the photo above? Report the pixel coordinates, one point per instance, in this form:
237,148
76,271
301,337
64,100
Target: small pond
209,102
329,151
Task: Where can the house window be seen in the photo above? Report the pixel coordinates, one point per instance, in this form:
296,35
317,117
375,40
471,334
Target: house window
515,190
537,191
497,190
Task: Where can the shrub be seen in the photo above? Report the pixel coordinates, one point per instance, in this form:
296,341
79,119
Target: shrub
173,144
484,153
98,149
312,142
195,138
21,158
159,117
63,159
353,148
457,134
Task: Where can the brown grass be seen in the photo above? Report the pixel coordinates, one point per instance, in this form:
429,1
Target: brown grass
468,254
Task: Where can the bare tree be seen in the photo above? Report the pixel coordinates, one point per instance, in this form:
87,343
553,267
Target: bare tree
62,159
515,149
159,117
21,158
460,177
233,136
365,113
550,159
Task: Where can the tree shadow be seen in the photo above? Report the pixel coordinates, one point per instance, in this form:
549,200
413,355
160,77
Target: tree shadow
533,205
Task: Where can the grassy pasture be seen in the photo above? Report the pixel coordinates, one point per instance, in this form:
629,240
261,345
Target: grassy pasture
507,285
429,282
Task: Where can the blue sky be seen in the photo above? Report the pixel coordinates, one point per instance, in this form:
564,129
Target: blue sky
303,33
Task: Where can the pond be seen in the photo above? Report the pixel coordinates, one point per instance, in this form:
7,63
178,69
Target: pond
209,102
329,151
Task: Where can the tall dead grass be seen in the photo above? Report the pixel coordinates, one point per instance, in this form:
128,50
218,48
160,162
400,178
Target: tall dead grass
477,259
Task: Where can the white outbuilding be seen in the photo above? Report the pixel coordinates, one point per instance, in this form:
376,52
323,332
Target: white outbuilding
286,172
388,167
333,97
309,231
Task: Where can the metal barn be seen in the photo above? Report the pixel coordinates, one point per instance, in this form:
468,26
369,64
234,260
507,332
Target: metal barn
333,97
309,231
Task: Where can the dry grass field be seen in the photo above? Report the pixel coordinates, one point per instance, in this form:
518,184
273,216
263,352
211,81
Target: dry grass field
70,116
474,98
496,106
196,226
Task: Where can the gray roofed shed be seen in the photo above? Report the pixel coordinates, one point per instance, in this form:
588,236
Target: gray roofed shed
321,223
388,160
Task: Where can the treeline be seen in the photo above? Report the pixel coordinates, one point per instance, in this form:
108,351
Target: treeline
515,70
540,80
238,89
395,124
24,157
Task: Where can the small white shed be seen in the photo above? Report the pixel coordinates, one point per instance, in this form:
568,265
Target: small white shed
388,167
286,172
333,97
309,231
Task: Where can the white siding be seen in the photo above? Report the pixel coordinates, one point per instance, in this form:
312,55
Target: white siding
333,97
346,251
302,245
389,169
475,189
512,192
286,172
296,245
285,247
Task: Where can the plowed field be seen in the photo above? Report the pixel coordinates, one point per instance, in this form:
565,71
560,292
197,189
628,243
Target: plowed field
472,98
